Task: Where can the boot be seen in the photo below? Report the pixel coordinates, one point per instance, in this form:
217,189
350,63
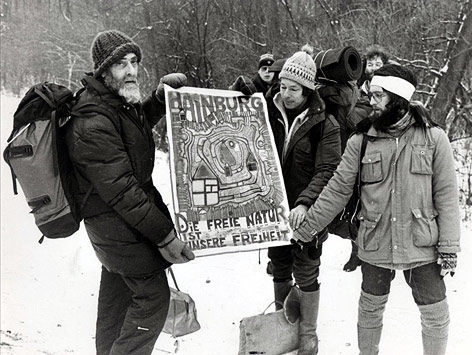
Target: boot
281,290
369,324
292,305
353,261
435,327
309,305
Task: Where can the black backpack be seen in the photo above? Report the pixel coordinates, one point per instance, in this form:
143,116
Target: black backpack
38,157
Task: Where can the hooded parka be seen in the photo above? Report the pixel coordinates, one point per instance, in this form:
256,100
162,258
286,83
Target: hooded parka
409,197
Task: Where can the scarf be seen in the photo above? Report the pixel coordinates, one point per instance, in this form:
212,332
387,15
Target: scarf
399,127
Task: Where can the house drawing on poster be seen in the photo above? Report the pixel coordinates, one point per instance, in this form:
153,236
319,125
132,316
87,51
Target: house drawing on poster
205,186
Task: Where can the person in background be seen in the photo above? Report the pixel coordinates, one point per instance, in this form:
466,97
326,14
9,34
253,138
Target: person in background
264,77
275,86
375,58
309,148
126,219
261,82
409,216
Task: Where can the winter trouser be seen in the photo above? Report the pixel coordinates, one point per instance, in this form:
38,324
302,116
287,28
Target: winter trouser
303,262
429,293
131,313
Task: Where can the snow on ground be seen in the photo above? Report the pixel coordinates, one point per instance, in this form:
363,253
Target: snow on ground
49,291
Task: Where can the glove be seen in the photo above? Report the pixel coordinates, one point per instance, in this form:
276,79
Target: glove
174,250
448,262
174,80
245,85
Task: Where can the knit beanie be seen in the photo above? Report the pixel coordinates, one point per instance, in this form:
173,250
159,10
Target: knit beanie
266,60
109,47
301,68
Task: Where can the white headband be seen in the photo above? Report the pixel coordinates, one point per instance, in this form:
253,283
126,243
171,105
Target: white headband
394,84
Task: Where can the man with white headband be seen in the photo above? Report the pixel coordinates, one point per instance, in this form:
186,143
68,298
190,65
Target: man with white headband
409,208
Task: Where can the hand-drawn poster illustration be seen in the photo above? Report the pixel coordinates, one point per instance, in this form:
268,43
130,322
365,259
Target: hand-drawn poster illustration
227,183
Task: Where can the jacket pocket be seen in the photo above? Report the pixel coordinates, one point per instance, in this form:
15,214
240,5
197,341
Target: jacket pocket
425,228
372,168
422,160
368,233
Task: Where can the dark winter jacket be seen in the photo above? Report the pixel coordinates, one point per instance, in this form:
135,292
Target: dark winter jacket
311,154
261,85
125,216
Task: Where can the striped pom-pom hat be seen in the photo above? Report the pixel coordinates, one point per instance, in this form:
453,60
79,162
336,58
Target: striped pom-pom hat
301,68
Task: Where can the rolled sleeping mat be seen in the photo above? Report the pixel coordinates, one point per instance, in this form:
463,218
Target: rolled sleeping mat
338,65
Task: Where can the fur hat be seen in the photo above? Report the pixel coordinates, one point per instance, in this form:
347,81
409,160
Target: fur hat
266,60
301,68
110,46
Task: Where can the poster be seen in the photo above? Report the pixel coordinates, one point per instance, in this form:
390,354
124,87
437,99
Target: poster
227,186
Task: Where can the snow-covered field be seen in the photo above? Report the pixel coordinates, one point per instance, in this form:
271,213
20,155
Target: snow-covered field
49,291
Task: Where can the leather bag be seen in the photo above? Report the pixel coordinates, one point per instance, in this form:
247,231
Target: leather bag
268,334
182,316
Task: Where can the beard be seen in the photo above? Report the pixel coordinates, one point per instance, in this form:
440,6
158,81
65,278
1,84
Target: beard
369,75
129,91
382,121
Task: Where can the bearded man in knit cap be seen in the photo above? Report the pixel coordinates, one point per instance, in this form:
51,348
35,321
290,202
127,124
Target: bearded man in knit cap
129,226
309,147
409,215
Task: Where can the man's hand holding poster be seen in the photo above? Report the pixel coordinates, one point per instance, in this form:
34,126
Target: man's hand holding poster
227,186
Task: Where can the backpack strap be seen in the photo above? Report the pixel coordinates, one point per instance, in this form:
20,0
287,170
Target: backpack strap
44,97
357,189
53,106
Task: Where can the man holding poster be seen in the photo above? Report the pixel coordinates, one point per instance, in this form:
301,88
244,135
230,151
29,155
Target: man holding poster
309,146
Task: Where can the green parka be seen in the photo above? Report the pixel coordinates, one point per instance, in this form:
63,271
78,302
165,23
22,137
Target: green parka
409,197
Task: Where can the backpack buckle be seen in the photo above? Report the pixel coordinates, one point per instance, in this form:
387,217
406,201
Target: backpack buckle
39,202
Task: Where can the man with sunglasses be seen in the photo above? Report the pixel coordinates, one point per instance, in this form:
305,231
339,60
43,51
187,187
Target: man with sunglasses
409,214
128,224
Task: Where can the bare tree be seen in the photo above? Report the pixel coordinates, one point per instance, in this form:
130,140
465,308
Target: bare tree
454,68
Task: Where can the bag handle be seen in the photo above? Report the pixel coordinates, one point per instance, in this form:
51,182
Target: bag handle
173,278
270,304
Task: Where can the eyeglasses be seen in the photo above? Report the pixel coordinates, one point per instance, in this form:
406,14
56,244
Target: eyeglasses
377,96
